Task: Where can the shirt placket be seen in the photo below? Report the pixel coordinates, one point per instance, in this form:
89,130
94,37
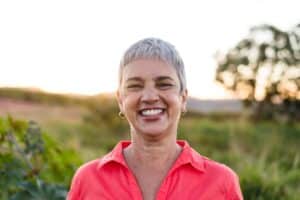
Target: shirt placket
162,192
134,187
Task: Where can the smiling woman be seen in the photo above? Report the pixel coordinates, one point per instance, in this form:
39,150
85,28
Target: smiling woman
152,95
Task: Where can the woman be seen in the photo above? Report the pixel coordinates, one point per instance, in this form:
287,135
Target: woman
152,96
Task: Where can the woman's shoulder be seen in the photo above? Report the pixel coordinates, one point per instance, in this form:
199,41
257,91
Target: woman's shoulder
218,167
214,167
87,168
225,177
221,175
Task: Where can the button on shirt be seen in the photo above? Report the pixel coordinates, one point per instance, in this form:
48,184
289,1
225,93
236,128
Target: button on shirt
192,177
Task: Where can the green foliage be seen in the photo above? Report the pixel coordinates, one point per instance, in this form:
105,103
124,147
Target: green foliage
264,70
39,190
31,163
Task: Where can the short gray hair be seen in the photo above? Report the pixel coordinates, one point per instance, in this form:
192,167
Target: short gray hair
154,48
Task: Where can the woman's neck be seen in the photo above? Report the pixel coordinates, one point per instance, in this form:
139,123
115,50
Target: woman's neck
152,153
150,162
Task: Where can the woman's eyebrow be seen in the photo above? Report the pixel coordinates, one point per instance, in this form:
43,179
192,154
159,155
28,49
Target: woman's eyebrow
159,78
163,78
134,79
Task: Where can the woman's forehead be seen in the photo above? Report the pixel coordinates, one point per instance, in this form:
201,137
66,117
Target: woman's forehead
148,67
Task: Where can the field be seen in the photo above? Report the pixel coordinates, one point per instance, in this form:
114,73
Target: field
264,154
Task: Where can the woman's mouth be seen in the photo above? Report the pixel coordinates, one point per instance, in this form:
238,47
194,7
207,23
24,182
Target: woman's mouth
151,112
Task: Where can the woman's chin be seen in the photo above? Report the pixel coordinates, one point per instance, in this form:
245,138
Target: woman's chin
151,132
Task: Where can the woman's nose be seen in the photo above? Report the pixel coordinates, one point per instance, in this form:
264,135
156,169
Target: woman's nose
150,95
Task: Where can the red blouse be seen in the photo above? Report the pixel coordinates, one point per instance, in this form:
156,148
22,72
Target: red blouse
191,177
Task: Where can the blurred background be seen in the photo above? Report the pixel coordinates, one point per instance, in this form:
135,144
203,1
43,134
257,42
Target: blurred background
58,74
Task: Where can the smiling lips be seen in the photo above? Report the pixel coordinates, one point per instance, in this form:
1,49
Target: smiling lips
151,112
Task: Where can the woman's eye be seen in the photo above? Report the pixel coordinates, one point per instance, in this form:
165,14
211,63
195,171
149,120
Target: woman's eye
133,86
164,85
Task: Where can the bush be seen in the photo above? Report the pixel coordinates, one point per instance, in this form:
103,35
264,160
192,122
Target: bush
31,163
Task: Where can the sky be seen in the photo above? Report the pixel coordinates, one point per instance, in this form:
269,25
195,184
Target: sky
71,46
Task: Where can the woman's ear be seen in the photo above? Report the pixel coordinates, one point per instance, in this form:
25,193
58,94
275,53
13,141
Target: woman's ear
184,95
119,99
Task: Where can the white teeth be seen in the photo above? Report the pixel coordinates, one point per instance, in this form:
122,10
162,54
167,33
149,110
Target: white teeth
151,112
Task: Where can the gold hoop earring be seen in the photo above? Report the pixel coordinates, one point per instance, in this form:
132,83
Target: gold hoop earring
121,115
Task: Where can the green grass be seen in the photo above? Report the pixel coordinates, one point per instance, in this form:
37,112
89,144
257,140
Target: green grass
264,154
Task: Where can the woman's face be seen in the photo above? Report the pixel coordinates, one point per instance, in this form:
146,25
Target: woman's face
150,97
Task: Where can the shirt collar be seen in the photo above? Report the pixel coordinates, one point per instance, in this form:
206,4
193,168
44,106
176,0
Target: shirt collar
116,155
187,156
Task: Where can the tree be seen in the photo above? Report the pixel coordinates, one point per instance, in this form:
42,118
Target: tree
264,71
